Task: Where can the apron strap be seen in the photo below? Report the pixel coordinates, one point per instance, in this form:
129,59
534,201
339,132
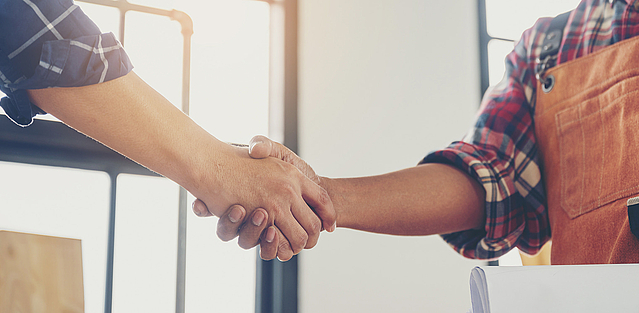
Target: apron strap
633,215
550,46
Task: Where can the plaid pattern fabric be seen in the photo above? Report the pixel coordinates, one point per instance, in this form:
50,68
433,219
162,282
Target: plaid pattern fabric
51,43
500,150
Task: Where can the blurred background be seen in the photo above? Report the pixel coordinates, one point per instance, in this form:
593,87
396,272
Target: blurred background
379,84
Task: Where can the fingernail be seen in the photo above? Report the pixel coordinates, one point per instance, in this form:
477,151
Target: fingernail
333,227
196,210
235,215
258,218
193,209
270,234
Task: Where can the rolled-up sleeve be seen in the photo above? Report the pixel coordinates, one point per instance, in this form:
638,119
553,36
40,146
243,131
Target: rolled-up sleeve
51,43
500,152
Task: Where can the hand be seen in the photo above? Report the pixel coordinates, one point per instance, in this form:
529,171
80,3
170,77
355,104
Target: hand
273,243
251,234
300,226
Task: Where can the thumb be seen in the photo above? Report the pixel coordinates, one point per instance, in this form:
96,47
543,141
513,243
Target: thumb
260,147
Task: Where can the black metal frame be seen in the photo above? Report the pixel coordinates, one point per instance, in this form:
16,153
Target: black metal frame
484,78
277,282
54,144
484,39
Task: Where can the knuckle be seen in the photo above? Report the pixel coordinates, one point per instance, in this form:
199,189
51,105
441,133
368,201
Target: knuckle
289,190
285,255
274,211
298,243
283,247
328,213
324,198
272,204
315,227
266,255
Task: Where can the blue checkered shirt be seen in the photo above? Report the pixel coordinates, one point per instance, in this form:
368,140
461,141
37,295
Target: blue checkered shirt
51,43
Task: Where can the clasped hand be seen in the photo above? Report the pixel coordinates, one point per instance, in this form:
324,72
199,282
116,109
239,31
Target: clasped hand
293,211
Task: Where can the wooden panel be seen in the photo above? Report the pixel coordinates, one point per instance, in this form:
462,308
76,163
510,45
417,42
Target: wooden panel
40,274
541,258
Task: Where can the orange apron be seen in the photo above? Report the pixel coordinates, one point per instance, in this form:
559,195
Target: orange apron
587,127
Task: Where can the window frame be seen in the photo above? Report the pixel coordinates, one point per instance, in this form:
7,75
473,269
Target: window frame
51,143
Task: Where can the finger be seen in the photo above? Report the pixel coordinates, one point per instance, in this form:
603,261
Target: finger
268,243
284,250
200,209
292,230
309,221
320,201
253,228
230,222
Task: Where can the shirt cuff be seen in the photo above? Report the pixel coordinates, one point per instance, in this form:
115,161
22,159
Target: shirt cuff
505,224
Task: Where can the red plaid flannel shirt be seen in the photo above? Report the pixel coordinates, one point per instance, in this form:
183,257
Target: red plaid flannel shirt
500,150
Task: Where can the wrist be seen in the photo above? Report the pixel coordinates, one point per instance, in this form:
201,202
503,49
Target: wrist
213,174
334,189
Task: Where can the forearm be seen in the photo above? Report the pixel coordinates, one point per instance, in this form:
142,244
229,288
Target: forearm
423,200
130,117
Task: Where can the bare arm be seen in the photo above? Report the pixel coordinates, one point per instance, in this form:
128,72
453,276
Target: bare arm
422,200
130,117
135,120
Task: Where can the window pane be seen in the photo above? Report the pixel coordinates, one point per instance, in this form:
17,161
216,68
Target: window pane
497,52
63,203
156,52
107,18
509,18
145,262
229,98
230,75
220,277
511,258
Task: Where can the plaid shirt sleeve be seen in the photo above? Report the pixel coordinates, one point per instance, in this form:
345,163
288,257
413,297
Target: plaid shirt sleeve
500,152
51,43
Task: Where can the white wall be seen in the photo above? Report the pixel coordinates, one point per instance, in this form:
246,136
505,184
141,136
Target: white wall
382,83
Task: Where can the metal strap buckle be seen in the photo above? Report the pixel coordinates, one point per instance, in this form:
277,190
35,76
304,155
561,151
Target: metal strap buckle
543,65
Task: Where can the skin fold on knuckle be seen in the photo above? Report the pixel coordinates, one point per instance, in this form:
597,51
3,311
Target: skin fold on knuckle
328,213
284,251
264,255
285,255
315,227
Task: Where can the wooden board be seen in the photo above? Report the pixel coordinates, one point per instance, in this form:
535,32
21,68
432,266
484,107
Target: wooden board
40,274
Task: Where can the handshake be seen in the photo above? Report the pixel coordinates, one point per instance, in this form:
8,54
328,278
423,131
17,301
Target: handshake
284,207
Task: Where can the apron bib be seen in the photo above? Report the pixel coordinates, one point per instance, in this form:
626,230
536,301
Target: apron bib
587,128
